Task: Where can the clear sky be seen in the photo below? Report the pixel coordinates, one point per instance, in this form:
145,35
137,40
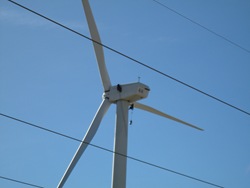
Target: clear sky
49,77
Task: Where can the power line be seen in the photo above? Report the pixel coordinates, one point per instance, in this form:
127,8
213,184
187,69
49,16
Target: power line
20,182
198,24
110,151
134,60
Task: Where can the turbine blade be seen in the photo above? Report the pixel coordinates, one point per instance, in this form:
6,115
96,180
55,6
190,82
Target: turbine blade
86,140
97,46
154,111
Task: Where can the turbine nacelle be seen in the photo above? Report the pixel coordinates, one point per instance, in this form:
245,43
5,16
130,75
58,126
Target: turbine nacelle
129,92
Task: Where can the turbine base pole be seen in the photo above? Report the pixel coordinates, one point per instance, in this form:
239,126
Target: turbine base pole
120,145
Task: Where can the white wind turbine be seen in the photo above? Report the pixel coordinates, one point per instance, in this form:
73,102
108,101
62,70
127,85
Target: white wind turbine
123,96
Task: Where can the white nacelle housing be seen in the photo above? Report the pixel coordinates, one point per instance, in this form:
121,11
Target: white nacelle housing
129,92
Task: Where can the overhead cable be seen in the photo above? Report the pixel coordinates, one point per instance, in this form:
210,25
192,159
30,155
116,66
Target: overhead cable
198,24
134,60
20,182
110,151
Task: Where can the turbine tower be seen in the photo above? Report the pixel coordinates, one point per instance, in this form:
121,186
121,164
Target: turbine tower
123,96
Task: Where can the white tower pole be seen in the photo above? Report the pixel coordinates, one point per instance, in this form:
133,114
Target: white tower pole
120,145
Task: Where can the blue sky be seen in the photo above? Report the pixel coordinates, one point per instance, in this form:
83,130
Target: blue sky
49,77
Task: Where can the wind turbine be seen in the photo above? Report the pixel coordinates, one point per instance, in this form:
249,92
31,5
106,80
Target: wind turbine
123,96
